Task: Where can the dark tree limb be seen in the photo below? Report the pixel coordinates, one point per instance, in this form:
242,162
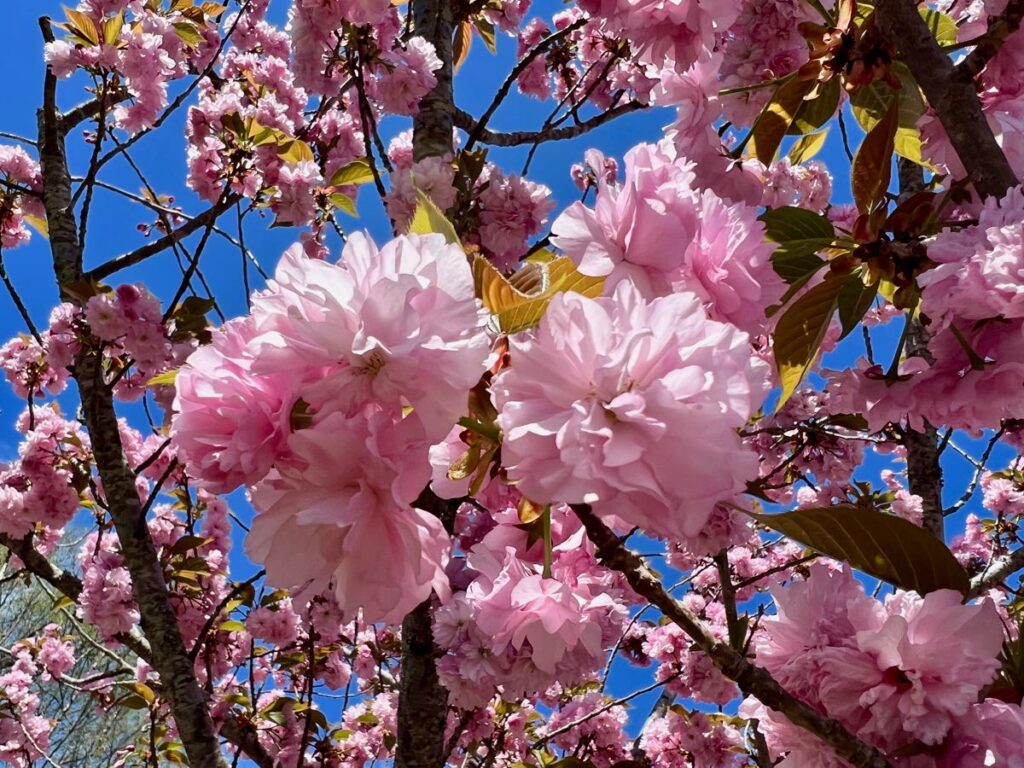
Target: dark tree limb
924,472
194,224
950,93
159,622
999,28
520,67
434,21
422,699
465,121
66,583
752,680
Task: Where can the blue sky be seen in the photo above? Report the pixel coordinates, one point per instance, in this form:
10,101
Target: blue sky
113,226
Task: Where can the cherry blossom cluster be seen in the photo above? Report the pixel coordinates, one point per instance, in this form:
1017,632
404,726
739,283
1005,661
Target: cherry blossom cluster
516,628
970,377
24,733
356,369
726,260
906,670
20,185
138,47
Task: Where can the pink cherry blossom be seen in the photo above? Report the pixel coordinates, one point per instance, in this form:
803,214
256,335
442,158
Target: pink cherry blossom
343,499
606,402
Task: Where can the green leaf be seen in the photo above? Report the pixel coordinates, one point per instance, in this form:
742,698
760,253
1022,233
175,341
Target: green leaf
776,118
356,172
870,104
188,33
142,690
344,203
63,602
485,30
807,146
800,234
186,543
165,379
942,26
855,300
232,625
800,331
815,112
82,25
872,165
429,219
294,151
884,546
112,28
133,702
519,302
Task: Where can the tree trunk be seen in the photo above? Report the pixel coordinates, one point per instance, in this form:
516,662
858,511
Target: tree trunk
159,622
422,700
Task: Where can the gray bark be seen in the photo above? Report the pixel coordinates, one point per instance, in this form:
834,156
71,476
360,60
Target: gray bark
159,623
422,700
950,92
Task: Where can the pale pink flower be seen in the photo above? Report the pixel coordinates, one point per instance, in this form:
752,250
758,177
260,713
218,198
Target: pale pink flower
612,400
659,230
230,423
337,516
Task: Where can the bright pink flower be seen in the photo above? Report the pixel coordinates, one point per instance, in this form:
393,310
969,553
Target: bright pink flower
666,235
230,423
918,664
520,606
337,516
407,78
399,325
611,400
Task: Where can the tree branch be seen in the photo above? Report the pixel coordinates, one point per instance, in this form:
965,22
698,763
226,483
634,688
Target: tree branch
422,700
204,219
752,680
67,583
950,93
466,122
520,67
999,28
996,572
158,619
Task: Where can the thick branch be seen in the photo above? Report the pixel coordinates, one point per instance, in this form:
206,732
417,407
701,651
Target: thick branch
422,700
466,122
236,730
66,583
243,735
432,127
159,622
950,93
999,28
996,572
752,680
91,108
194,224
924,473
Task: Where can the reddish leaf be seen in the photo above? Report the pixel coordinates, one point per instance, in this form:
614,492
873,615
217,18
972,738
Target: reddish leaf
872,166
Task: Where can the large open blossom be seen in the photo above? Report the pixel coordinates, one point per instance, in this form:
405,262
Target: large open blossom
661,231
632,406
399,325
338,515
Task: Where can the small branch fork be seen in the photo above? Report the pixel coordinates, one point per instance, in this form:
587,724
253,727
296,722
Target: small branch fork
752,680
